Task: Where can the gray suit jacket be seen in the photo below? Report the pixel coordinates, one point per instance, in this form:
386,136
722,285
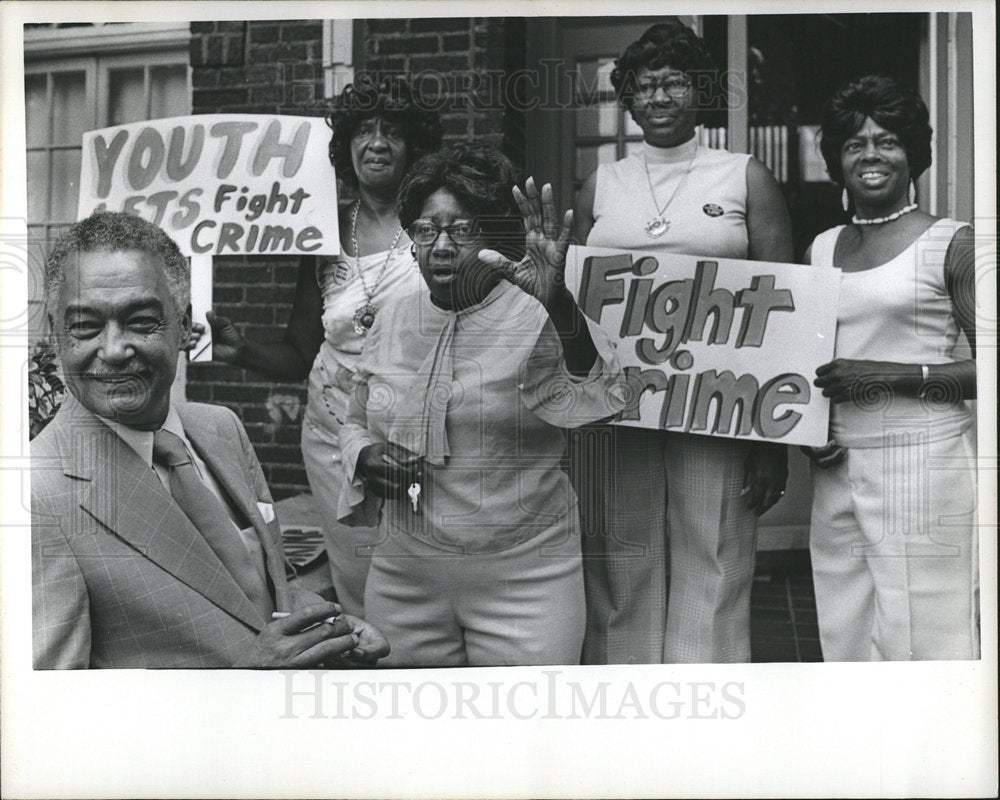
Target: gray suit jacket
120,577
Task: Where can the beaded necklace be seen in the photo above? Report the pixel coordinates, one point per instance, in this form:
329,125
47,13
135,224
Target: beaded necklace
879,220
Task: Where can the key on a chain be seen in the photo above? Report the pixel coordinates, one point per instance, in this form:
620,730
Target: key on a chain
414,493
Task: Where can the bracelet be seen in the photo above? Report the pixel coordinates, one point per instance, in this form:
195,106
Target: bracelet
925,373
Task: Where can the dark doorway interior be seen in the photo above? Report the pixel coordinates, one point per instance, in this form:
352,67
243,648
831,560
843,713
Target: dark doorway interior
795,62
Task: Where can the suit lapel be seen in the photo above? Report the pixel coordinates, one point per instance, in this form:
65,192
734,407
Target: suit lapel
128,497
219,450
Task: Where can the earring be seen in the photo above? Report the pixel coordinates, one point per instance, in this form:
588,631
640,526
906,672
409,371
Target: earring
911,193
413,249
845,199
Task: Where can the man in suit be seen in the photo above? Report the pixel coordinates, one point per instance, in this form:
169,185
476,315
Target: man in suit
154,540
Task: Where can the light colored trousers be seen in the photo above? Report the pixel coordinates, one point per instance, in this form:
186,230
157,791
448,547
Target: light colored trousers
642,491
521,606
348,549
894,553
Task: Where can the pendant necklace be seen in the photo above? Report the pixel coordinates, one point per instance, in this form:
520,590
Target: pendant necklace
364,315
658,226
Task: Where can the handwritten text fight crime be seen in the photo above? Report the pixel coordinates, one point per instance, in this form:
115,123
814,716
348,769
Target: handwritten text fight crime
677,312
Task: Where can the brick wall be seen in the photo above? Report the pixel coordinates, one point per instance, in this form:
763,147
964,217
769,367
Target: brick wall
275,66
462,63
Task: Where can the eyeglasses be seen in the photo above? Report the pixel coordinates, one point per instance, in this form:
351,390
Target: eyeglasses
674,86
426,231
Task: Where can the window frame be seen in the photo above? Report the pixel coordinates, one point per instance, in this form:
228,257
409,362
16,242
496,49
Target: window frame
94,50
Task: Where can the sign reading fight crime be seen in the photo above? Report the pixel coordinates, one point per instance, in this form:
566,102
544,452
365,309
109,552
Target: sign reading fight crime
714,346
234,184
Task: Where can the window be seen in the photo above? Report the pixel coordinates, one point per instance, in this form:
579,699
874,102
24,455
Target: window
81,79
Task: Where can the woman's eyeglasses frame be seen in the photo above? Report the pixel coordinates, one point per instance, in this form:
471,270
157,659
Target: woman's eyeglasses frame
674,86
425,232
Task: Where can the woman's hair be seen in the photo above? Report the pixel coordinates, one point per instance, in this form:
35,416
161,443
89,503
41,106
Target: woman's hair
670,43
480,178
391,99
891,106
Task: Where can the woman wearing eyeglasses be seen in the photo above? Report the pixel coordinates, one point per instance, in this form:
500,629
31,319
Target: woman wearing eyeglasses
379,129
454,434
700,494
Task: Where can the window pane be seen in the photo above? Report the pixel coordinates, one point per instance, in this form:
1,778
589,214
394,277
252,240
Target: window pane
594,76
36,111
38,182
37,250
55,233
69,116
169,91
39,247
631,129
587,158
65,184
126,96
36,239
604,75
598,120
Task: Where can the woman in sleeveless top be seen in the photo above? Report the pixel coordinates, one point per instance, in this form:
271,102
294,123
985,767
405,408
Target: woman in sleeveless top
378,131
893,542
648,488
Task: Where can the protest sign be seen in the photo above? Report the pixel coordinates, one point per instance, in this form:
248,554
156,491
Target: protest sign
714,346
232,184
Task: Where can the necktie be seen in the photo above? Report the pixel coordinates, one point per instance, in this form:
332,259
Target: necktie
208,514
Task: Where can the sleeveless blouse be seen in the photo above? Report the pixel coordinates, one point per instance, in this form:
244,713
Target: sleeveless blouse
330,378
707,214
897,311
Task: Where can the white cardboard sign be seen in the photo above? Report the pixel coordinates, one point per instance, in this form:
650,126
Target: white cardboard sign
219,184
714,346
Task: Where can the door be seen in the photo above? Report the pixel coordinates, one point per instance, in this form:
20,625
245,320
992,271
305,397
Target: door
574,122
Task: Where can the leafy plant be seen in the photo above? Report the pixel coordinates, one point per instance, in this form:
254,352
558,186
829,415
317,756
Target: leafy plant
45,388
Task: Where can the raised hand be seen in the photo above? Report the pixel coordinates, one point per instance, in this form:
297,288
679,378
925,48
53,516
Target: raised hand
542,272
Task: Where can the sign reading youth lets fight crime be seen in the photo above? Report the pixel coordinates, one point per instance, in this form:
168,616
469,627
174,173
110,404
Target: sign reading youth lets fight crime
714,346
220,185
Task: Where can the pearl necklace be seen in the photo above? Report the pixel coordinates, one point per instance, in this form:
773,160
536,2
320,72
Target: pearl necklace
364,315
879,220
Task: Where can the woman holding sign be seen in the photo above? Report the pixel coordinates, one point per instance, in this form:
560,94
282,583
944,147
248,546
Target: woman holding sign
893,538
454,436
378,131
647,487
